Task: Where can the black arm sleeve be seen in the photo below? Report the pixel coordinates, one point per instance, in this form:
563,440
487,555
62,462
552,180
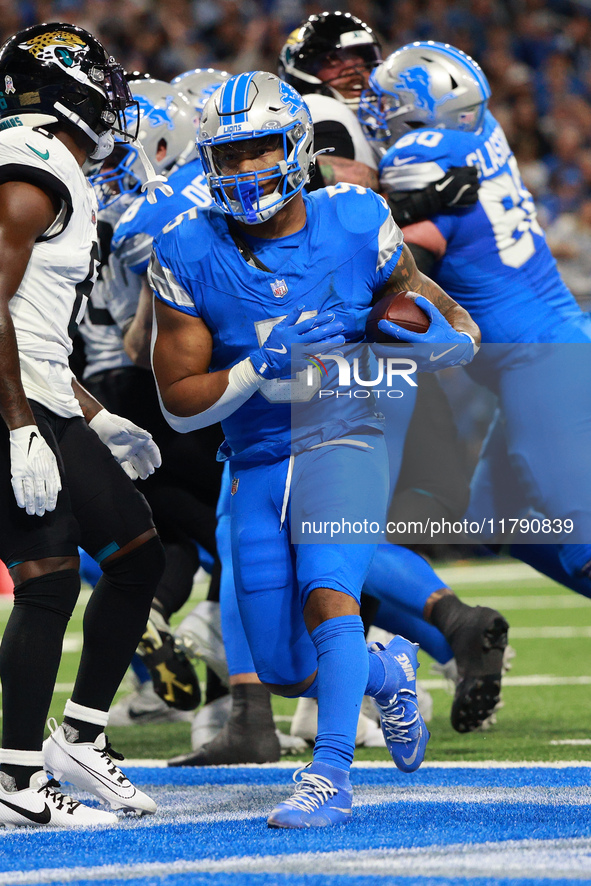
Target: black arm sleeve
332,134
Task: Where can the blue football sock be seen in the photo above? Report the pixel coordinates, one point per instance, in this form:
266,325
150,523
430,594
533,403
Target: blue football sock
342,677
397,621
549,559
402,578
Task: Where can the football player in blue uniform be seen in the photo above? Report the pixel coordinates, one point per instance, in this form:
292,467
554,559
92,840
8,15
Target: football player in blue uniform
329,59
429,101
221,351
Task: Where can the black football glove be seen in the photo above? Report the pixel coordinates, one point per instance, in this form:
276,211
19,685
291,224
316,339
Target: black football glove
458,187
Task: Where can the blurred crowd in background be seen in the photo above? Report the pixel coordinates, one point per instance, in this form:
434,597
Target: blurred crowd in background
536,54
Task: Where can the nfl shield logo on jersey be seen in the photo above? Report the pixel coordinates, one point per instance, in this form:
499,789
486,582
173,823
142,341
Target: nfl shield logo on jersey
234,487
279,288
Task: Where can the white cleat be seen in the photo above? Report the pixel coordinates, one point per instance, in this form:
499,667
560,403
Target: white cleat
89,766
43,804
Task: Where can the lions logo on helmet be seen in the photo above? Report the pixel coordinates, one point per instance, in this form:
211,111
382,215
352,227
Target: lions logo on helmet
154,115
290,98
417,81
423,84
56,46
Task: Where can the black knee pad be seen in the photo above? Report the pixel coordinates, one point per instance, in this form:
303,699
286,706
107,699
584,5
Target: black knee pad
140,570
55,591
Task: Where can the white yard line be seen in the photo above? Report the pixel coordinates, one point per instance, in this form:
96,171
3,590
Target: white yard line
551,632
568,600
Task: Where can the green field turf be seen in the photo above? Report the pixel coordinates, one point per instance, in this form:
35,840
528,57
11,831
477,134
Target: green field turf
546,694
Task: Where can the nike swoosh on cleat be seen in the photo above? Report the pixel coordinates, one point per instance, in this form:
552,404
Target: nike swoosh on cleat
410,760
432,358
116,788
42,817
281,350
44,156
339,809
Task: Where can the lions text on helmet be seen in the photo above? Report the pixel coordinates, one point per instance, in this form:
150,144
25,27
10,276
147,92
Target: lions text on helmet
59,73
255,115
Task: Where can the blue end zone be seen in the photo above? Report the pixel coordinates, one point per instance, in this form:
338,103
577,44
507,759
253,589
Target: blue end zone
437,826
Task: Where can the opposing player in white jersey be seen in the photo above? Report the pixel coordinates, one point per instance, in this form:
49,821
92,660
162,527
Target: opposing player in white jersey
63,457
182,498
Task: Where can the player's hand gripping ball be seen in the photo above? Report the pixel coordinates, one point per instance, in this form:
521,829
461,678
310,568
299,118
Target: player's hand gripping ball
401,309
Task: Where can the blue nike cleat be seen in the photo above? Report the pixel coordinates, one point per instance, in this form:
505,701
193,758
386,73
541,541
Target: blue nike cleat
403,726
322,797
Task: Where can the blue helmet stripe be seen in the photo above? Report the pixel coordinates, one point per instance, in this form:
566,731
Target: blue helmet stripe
226,101
241,96
233,97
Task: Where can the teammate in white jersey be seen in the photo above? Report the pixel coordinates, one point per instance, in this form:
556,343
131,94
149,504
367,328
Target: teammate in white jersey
63,458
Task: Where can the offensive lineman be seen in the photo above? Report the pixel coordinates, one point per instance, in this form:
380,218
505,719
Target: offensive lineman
221,348
61,99
430,100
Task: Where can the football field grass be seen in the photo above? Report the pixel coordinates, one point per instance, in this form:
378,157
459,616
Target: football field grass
507,807
547,694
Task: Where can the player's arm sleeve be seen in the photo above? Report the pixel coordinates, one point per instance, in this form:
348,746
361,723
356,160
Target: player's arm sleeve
46,181
334,134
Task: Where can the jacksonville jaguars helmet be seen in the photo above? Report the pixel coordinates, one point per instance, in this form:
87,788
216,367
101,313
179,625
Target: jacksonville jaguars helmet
166,136
59,73
423,84
315,41
256,105
198,85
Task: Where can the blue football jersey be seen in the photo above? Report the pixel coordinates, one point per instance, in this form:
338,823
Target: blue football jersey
349,248
139,224
497,263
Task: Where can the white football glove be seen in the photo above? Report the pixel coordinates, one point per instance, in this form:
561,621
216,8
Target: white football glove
133,447
35,474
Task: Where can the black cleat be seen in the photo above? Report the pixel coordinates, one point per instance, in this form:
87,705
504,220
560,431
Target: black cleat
173,675
479,646
248,736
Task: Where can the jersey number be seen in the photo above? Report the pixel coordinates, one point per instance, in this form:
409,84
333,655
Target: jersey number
83,290
286,390
510,209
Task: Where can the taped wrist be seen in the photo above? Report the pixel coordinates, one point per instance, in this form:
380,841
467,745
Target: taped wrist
408,207
243,382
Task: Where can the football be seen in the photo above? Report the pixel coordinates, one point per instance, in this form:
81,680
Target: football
400,309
